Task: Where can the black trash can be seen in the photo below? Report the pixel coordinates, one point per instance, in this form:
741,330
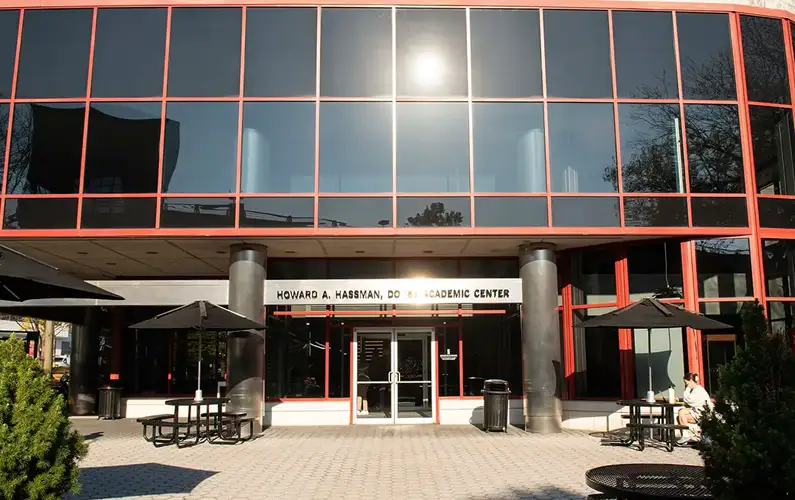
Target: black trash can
495,405
109,402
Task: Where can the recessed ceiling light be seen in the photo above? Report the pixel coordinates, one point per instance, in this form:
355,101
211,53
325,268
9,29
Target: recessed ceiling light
151,253
221,252
289,251
427,251
110,263
359,251
82,253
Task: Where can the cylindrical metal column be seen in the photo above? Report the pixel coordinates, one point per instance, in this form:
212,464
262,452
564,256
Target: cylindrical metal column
84,368
246,350
541,356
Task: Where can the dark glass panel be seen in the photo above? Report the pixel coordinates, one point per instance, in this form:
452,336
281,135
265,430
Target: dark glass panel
296,269
645,60
9,28
585,212
40,213
355,212
117,213
355,147
431,49
278,147
46,148
597,358
510,212
664,352
778,257
204,55
582,147
197,212
123,150
357,53
449,375
718,347
506,53
339,363
777,213
772,135
425,268
5,112
432,147
651,148
719,212
343,269
489,268
714,150
53,60
577,44
705,55
281,46
724,268
653,267
200,148
277,212
509,147
655,212
433,212
496,355
593,276
129,53
765,60
782,319
295,357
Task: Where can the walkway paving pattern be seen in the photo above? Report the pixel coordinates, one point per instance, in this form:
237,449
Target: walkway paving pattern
352,463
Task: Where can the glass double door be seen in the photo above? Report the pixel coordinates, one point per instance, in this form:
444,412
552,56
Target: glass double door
395,376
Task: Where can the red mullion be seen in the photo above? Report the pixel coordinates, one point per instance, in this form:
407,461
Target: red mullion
511,195
617,132
507,99
625,347
608,100
10,133
163,110
52,99
654,195
470,127
43,195
336,98
316,199
769,104
328,348
342,195
719,300
776,196
393,16
114,195
430,99
781,299
682,128
718,195
585,195
84,147
707,101
788,50
690,288
241,88
546,114
205,99
433,195
267,98
631,100
593,306
460,357
121,99
569,368
202,195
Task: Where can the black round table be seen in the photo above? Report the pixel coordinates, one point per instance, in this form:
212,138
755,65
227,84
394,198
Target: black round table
649,481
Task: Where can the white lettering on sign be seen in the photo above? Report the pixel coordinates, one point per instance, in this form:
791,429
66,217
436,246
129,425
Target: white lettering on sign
393,291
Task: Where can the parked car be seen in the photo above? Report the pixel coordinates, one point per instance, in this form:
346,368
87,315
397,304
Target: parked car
61,361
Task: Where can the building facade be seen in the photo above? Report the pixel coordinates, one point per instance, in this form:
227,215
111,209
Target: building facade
414,198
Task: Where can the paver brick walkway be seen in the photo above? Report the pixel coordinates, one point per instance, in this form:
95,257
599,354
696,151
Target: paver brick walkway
352,463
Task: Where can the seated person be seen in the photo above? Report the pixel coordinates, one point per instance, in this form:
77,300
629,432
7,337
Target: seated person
696,399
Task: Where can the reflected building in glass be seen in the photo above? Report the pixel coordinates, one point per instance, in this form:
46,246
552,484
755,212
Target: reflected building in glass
434,197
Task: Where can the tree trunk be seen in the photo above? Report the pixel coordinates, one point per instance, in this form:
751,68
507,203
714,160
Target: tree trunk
47,346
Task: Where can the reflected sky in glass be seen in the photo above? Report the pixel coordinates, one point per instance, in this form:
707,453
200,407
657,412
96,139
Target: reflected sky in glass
644,49
9,26
705,55
651,154
355,212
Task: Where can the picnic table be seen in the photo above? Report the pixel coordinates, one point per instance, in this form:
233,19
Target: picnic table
664,421
649,481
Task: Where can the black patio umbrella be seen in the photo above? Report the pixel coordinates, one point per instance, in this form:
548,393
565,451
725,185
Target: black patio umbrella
23,278
199,316
651,313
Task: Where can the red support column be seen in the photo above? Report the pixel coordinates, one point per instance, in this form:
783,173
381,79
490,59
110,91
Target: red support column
690,288
626,350
115,343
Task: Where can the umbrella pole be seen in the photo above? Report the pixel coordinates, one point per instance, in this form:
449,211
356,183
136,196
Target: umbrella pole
199,395
650,393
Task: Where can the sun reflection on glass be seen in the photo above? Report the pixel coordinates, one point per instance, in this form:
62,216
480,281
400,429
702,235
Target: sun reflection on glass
427,69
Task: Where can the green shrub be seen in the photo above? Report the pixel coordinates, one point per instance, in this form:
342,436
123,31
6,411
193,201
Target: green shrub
749,444
39,450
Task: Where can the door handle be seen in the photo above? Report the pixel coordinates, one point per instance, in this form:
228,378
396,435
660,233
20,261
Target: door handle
398,376
389,377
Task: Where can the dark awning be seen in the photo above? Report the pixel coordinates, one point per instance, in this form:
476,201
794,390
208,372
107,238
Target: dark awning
651,313
199,315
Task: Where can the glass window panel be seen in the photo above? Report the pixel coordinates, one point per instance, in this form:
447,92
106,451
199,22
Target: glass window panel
433,212
9,28
655,212
577,45
597,358
280,51
582,147
357,53
778,257
355,147
719,346
355,212
510,212
439,268
585,212
123,149
5,112
593,277
489,268
432,147
295,357
705,56
200,147
129,53
777,213
765,60
46,148
360,269
278,147
277,212
654,267
651,148
719,212
197,212
714,150
431,49
296,269
40,213
204,52
54,42
724,268
339,364
449,375
509,147
662,350
782,318
117,213
645,60
506,53
496,355
772,135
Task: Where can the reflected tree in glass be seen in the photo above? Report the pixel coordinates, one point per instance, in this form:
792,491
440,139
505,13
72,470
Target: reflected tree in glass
435,215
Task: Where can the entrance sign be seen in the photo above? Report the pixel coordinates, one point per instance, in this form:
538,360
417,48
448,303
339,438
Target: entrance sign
393,291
